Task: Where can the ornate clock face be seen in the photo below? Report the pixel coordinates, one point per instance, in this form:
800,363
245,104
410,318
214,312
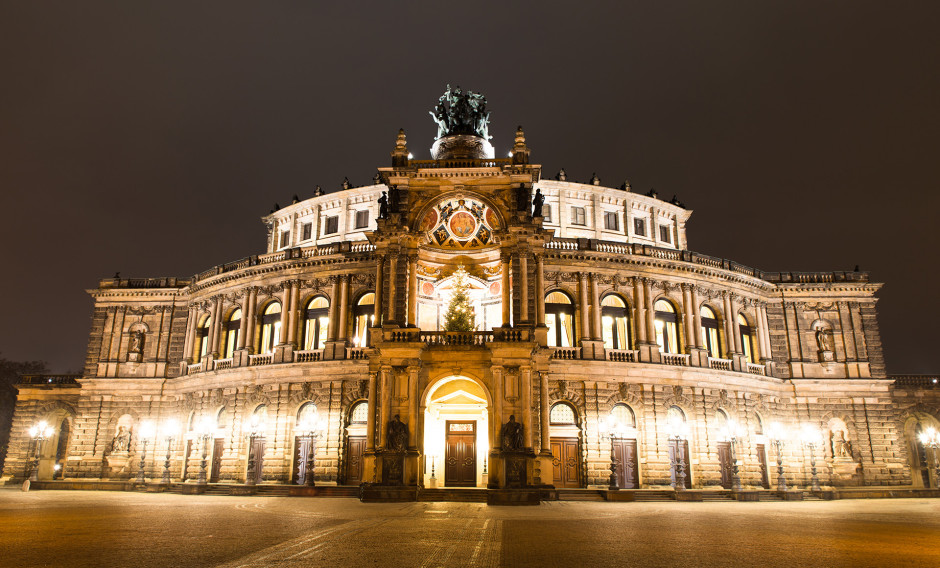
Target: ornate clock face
460,223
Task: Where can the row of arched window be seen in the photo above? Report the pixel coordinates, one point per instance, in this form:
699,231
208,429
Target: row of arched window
617,325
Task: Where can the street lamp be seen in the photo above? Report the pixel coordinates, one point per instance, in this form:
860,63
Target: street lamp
309,430
204,430
170,429
254,426
614,429
776,434
39,433
812,437
678,431
147,430
930,438
732,432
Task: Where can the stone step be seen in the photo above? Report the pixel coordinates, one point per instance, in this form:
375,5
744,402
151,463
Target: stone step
580,495
453,494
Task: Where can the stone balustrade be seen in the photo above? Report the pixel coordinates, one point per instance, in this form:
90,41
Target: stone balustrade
756,369
622,355
220,364
719,364
260,359
676,359
566,352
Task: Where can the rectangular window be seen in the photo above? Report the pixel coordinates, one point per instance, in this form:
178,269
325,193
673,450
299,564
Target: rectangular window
331,226
639,227
307,230
611,221
362,219
547,213
285,239
664,233
577,216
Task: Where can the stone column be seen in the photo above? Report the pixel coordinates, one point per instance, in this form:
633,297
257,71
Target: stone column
697,318
596,332
584,307
650,313
190,331
539,290
524,288
343,322
294,299
370,421
393,289
243,325
285,314
736,329
766,352
688,315
386,380
543,405
504,283
216,326
334,309
413,406
639,308
525,380
251,316
379,285
412,290
729,318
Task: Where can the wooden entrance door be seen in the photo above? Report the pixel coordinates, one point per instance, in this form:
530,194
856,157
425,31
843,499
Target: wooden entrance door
354,448
566,462
305,448
626,465
217,448
679,456
460,454
762,462
724,463
257,451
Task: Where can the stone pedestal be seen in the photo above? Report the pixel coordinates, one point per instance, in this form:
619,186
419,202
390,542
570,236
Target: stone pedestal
514,466
393,469
592,349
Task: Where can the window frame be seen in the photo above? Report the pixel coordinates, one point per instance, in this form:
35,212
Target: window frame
639,226
578,216
611,216
361,220
331,225
554,309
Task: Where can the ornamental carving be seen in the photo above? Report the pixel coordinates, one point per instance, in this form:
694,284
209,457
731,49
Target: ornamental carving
461,223
256,396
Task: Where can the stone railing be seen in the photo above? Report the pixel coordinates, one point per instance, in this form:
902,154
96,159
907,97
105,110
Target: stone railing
676,359
921,381
719,364
622,355
49,380
566,352
261,359
357,353
456,337
756,369
464,163
308,355
194,368
220,364
511,335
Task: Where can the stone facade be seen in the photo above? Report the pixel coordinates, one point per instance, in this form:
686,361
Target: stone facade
595,303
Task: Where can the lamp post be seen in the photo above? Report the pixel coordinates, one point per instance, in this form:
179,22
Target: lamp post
812,437
732,432
433,479
39,433
614,430
147,430
678,432
311,431
254,425
169,431
775,433
930,438
204,430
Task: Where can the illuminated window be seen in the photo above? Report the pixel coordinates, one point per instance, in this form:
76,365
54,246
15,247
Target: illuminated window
559,318
231,333
307,415
363,318
615,323
639,227
746,342
270,327
577,216
710,332
202,338
561,413
675,416
624,416
260,417
611,221
362,219
221,418
331,226
307,231
316,323
359,413
667,335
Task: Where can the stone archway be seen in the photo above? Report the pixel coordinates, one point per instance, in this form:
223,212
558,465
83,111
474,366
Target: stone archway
456,433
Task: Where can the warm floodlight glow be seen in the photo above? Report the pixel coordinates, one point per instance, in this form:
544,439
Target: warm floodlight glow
776,432
170,428
147,430
810,435
930,437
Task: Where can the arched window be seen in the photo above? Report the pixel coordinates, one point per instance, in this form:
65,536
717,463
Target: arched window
201,348
221,418
667,329
259,419
623,415
710,331
307,416
759,426
559,318
231,333
316,323
721,419
270,327
746,342
562,413
359,414
615,322
363,319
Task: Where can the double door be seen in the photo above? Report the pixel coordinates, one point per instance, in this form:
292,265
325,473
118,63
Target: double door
566,462
625,463
218,447
460,454
305,447
725,465
354,448
679,461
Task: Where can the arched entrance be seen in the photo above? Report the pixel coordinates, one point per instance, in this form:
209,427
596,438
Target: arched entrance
921,458
456,426
565,443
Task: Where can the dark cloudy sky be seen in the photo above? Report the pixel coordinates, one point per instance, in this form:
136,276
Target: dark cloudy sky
150,136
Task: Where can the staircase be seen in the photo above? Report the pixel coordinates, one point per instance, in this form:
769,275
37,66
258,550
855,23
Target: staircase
453,495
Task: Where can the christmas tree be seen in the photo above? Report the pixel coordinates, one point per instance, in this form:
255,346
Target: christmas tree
459,315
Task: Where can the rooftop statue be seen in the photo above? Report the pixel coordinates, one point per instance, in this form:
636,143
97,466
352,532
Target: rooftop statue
460,112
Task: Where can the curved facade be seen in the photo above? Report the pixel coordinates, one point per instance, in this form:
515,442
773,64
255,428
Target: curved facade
604,352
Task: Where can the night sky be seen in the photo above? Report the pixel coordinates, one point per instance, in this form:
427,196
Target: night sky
149,137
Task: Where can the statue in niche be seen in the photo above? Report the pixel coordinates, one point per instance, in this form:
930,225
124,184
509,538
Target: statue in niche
511,436
121,441
397,435
840,445
383,206
136,343
537,203
824,339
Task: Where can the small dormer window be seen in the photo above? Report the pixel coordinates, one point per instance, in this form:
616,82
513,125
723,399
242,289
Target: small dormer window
284,239
665,233
307,231
639,226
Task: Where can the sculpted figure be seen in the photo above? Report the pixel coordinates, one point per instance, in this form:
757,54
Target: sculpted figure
136,342
397,435
383,206
824,339
511,436
122,440
537,202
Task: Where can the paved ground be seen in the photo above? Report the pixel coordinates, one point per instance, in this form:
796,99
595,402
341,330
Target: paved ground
100,529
